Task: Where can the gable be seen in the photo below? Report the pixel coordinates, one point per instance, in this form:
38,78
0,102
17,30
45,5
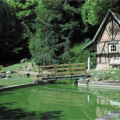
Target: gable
109,30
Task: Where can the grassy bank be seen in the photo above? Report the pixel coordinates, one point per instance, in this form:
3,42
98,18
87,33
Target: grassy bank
115,76
14,81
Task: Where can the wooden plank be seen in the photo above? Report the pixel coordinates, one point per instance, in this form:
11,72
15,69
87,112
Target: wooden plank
63,73
63,69
49,74
70,69
63,65
48,66
78,68
48,70
78,64
78,72
85,70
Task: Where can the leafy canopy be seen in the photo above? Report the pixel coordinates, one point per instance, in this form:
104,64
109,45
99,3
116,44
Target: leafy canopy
93,11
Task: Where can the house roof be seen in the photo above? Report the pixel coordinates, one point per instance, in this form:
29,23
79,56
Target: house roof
116,17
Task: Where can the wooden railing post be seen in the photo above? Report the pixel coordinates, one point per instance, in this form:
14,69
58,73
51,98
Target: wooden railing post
70,69
55,71
85,70
39,70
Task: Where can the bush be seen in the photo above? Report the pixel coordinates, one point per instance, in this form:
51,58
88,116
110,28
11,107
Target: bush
76,55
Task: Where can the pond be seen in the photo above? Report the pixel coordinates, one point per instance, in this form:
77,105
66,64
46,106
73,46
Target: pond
58,101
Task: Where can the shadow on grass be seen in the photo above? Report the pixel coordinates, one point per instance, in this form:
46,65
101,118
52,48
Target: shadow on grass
7,113
2,86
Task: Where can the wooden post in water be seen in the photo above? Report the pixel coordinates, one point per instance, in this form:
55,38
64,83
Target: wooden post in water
55,71
85,70
70,69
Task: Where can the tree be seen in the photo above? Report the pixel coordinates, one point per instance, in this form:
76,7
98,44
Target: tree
58,26
13,39
93,12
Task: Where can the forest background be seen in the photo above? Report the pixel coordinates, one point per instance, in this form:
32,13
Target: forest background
50,32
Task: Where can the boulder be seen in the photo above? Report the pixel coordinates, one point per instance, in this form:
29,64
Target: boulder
83,80
26,75
37,80
8,76
105,76
17,69
36,76
113,72
30,66
23,60
24,66
2,75
97,78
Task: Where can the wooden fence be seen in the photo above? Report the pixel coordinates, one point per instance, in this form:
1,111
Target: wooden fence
55,70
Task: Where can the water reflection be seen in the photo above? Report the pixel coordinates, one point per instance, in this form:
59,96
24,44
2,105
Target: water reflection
60,102
93,103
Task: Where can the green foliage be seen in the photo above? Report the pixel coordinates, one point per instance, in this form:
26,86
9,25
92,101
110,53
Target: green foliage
76,55
14,40
57,28
93,12
1,67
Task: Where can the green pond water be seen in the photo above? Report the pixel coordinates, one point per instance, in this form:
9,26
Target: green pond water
58,101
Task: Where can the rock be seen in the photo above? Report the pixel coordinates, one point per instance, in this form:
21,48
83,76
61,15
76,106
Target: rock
26,75
97,78
105,76
113,72
107,72
2,75
24,66
8,76
37,80
8,72
23,60
116,77
82,80
30,66
36,76
17,69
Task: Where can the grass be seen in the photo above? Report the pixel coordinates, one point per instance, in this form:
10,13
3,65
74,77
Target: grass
101,72
14,81
13,67
17,79
116,118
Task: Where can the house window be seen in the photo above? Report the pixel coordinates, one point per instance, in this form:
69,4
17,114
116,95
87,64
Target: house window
113,48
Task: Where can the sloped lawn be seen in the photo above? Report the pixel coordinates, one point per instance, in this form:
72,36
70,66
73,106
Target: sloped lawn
14,81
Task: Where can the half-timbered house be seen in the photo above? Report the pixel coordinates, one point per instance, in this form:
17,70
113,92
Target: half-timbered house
106,42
